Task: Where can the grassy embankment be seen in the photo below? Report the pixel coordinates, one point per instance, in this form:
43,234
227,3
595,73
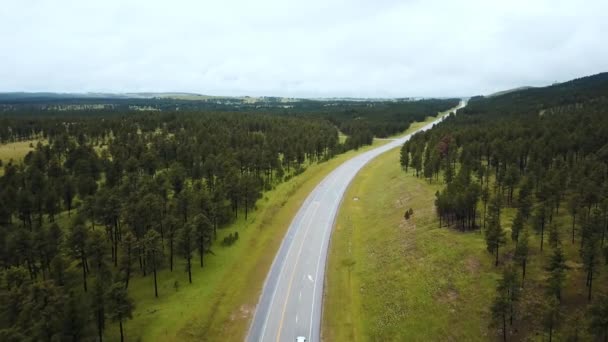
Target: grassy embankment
392,279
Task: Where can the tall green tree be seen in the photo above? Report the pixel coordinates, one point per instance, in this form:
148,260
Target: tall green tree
590,248
552,315
76,322
186,246
98,305
521,254
128,257
557,273
120,306
203,233
495,236
77,241
154,253
507,294
517,226
540,221
171,224
598,314
573,208
69,192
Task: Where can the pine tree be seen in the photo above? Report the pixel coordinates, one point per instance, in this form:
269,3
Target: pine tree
154,253
127,257
120,306
521,254
557,273
495,236
598,313
517,226
78,245
552,315
540,219
98,305
186,246
589,249
507,294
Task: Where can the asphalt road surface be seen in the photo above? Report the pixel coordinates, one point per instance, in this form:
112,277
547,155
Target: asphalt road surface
291,300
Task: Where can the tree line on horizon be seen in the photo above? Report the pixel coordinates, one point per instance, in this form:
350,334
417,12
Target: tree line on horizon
359,120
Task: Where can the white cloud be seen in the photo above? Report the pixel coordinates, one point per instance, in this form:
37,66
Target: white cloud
299,48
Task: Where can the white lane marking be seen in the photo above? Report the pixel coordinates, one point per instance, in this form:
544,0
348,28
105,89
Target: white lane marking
300,296
310,278
314,289
334,181
296,319
289,252
294,270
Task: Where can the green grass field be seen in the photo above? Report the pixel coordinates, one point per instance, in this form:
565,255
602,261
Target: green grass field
16,150
221,301
391,279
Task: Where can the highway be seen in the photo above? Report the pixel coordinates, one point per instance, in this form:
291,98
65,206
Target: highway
291,301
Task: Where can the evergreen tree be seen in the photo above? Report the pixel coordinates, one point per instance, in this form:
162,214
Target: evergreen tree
598,324
557,273
76,323
507,294
98,305
590,247
552,315
128,257
495,236
154,253
517,226
521,254
186,246
120,306
77,242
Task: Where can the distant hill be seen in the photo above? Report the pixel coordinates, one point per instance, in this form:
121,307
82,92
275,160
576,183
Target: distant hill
10,96
49,95
503,92
535,100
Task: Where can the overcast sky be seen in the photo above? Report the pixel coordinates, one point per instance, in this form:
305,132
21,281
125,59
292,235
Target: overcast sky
306,48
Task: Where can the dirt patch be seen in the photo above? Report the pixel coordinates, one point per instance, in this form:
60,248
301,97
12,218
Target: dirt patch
407,236
407,224
448,296
472,265
573,265
402,201
244,312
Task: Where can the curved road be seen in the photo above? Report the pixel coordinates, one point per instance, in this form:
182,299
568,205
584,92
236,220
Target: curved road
291,301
